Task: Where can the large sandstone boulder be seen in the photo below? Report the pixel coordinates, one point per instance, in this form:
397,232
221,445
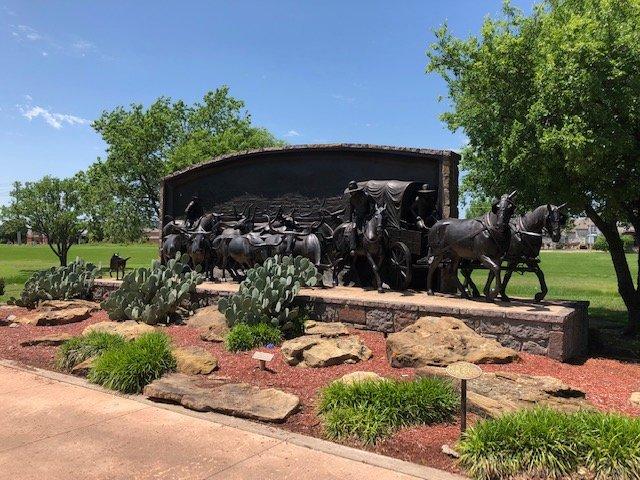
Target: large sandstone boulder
194,361
441,341
47,340
325,329
129,329
237,399
64,304
318,351
494,394
54,317
210,322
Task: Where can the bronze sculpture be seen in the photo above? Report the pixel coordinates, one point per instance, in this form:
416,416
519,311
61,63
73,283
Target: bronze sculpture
390,234
484,239
524,248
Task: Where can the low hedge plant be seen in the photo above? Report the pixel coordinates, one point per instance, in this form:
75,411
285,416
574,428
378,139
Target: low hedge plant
543,443
372,409
132,365
244,337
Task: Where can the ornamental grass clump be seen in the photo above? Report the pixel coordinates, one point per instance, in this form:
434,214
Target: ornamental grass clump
543,443
371,409
78,349
129,367
243,337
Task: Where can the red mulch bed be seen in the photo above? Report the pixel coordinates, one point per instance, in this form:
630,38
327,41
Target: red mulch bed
608,383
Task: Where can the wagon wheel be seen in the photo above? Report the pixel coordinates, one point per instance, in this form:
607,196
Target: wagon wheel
399,266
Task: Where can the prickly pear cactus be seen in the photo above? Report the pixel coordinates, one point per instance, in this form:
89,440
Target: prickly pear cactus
152,295
58,283
267,294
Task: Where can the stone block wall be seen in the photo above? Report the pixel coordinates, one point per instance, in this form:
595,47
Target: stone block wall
560,334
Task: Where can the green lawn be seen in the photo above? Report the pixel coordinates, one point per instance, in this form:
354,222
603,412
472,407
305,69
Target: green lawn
18,262
573,275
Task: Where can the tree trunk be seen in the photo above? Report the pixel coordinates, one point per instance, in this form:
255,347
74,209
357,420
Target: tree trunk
630,295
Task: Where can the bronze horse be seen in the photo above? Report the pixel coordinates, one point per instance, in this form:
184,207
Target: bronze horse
524,247
370,246
484,239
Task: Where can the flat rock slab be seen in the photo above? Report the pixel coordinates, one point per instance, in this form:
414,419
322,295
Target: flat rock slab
82,368
194,361
54,317
317,351
441,341
47,340
129,329
359,376
494,394
211,323
634,399
325,329
64,304
236,399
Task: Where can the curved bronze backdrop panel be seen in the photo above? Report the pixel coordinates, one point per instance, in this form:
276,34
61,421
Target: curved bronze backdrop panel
303,177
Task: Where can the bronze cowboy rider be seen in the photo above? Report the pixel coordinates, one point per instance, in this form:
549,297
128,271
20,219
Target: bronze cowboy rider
193,211
423,208
360,208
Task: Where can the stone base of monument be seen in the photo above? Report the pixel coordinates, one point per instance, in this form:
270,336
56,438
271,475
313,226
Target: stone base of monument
557,329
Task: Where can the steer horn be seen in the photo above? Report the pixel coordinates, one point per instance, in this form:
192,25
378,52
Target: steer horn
513,194
560,207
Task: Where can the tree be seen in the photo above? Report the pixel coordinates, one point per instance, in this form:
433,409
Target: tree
550,104
50,207
145,144
478,206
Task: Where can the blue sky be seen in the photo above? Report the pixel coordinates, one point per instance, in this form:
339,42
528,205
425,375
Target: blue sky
311,72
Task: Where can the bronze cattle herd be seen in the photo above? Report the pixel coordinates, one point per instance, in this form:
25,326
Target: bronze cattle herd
389,232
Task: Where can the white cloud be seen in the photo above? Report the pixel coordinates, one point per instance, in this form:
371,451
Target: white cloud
70,45
343,98
55,120
28,97
292,133
25,32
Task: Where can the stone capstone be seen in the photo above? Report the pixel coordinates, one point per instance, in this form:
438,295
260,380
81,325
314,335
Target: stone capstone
129,329
47,340
210,322
317,351
494,394
194,361
54,317
440,341
236,399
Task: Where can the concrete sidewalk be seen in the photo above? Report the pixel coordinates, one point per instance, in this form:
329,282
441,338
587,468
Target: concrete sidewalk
58,427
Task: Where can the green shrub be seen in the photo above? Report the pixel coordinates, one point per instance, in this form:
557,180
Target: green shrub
243,337
58,283
129,367
266,295
153,295
549,444
600,243
628,243
370,410
78,349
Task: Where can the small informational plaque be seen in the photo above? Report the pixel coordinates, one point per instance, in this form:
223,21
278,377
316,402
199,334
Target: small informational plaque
463,370
263,356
